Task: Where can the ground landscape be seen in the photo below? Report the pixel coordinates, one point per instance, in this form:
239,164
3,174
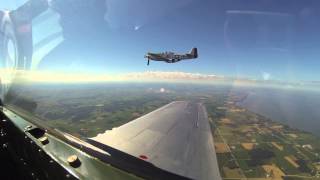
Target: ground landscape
251,146
248,145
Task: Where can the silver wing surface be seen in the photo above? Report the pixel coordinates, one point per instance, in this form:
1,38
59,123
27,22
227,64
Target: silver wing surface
176,137
157,57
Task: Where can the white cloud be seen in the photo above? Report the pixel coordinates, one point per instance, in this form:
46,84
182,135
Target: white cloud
163,90
266,76
160,75
153,76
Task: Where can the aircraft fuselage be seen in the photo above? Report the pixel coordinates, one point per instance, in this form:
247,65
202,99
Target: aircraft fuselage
171,57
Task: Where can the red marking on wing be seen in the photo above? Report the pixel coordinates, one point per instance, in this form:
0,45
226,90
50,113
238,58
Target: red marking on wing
144,157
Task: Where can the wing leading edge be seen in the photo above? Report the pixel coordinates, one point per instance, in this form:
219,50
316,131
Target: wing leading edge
176,137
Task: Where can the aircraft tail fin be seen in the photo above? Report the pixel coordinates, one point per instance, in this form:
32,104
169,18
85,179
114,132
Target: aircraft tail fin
194,52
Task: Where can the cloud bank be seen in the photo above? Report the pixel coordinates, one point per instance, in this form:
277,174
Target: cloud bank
148,76
8,77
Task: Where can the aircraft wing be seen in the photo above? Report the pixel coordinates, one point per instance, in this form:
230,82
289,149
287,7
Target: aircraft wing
176,137
185,58
157,57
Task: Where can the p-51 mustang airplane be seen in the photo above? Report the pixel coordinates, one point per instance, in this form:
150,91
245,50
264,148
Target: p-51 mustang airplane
171,57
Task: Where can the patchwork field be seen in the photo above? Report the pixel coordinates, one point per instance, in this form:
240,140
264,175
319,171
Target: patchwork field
250,146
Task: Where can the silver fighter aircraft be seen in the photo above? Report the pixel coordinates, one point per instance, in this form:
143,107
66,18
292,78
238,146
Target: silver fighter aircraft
171,57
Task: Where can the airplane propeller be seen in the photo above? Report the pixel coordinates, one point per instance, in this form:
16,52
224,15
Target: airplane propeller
148,61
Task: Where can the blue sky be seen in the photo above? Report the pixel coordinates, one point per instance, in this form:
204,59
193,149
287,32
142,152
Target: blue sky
260,40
